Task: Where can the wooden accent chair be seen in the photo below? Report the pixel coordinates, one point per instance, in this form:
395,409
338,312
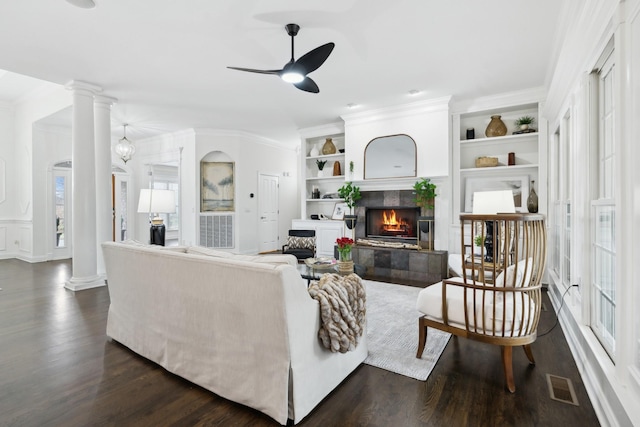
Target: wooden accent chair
504,310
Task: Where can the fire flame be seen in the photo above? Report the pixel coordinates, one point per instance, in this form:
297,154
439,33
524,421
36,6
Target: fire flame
391,223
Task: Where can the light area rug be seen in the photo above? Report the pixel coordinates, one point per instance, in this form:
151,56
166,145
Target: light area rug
392,331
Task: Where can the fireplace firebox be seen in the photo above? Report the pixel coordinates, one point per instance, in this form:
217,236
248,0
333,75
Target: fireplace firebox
392,222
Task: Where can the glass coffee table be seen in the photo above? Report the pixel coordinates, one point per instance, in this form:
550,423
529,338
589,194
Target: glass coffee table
312,271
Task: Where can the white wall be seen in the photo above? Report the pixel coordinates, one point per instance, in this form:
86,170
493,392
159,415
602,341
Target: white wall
7,188
24,170
427,122
252,155
614,388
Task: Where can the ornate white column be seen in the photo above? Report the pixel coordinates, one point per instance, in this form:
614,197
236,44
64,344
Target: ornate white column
84,274
104,209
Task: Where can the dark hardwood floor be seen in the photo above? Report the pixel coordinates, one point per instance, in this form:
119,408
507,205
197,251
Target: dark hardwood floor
58,368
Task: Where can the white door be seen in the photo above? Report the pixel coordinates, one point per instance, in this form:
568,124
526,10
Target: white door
62,214
268,209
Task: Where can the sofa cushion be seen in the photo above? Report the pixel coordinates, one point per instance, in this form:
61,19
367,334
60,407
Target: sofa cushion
180,249
277,259
199,250
522,276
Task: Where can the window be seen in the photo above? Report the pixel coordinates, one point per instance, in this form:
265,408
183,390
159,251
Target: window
165,177
560,169
603,208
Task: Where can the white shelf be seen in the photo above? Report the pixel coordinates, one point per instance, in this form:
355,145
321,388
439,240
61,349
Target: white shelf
328,184
488,170
501,139
324,200
326,178
326,156
529,150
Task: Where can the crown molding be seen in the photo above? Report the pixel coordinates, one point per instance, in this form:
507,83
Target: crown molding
403,110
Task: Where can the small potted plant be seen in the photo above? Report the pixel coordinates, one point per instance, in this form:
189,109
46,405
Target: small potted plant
321,164
350,194
524,122
425,192
351,166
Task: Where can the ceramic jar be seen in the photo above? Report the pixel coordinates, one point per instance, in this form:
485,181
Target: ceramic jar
328,147
496,127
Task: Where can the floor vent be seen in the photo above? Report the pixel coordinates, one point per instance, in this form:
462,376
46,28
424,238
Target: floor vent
561,389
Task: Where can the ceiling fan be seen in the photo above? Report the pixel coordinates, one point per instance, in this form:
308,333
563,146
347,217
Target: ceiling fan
295,72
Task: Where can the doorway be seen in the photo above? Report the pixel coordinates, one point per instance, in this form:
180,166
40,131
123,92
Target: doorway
62,223
268,200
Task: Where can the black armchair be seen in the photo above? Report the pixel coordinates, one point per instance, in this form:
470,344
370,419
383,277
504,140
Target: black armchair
301,244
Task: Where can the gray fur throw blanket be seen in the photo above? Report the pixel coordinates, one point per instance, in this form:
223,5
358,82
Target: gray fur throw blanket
342,310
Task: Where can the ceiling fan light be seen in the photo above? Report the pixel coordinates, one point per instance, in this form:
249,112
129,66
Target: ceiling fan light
292,76
84,4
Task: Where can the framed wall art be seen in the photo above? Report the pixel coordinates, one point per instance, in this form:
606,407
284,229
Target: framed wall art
339,210
518,185
217,189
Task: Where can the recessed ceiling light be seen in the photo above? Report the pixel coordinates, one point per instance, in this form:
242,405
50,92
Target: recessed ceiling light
414,92
84,4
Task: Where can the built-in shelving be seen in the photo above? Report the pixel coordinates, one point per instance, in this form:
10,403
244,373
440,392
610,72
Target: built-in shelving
327,184
529,150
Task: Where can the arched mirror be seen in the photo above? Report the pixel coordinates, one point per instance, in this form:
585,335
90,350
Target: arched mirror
392,156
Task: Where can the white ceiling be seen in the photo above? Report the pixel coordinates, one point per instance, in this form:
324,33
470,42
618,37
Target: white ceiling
165,60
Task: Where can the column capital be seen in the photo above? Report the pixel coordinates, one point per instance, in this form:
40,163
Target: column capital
104,99
78,85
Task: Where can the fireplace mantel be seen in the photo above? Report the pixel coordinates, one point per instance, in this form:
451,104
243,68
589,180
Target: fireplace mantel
394,183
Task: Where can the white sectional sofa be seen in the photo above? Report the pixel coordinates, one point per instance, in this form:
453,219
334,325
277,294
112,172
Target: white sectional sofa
243,327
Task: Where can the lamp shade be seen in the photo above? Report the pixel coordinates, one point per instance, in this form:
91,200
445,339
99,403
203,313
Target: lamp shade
156,201
493,202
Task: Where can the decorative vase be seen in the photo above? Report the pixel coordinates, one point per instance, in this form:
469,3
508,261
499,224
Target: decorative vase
512,159
496,127
425,222
315,151
524,127
345,267
337,171
344,255
328,147
320,173
471,133
350,221
532,200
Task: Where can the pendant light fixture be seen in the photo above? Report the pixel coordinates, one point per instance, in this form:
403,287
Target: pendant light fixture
125,148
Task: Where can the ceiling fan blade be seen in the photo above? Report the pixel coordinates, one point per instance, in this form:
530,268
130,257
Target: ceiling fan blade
251,70
313,59
308,85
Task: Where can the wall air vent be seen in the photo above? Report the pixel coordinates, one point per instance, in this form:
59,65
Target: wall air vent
216,231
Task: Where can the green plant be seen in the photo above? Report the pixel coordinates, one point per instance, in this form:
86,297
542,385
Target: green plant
525,120
351,166
350,194
478,240
321,164
425,192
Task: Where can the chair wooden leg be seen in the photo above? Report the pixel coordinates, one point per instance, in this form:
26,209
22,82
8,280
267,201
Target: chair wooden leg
507,365
422,337
529,353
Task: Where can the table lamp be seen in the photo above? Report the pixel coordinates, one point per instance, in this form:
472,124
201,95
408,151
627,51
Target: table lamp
155,202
